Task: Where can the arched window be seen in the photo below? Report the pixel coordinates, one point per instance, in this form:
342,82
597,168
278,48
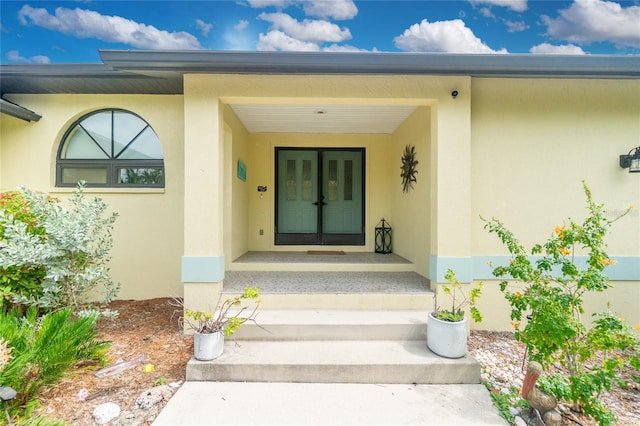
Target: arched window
110,148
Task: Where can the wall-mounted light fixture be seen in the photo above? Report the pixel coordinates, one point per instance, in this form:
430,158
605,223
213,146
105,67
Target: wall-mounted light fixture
631,160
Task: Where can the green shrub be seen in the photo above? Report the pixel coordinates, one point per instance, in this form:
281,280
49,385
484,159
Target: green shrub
21,281
553,291
44,348
53,256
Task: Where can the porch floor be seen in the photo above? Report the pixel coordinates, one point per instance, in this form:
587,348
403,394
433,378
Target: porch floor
327,275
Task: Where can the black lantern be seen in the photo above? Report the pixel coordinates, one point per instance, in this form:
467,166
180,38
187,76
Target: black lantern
631,160
383,237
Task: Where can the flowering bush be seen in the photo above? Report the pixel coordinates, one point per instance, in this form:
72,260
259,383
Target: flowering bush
58,254
552,298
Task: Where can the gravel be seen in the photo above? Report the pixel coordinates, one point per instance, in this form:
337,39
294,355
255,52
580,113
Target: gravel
502,360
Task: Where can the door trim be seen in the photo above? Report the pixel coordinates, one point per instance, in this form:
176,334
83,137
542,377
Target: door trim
319,238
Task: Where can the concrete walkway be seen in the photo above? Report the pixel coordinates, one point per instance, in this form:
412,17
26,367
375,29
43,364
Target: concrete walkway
233,403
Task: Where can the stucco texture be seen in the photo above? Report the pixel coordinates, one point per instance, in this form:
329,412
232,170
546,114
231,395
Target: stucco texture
148,233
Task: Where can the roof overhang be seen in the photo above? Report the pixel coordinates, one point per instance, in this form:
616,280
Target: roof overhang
162,72
17,111
474,65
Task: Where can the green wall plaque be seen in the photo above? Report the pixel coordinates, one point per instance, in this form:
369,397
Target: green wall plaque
242,171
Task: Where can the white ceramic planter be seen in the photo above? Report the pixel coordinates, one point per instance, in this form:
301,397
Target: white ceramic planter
447,339
208,346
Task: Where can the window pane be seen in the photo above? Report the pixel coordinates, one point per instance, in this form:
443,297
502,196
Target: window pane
99,127
307,182
291,180
80,146
332,182
348,180
125,127
146,146
73,175
141,176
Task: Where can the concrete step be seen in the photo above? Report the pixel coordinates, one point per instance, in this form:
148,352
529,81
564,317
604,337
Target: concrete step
332,324
334,290
346,301
376,361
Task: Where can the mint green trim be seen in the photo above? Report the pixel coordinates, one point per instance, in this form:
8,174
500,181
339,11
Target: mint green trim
626,268
462,266
467,269
202,269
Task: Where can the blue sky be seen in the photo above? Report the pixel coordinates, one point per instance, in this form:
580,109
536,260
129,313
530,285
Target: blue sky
73,31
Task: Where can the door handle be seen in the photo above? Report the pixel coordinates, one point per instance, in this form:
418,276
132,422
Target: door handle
320,202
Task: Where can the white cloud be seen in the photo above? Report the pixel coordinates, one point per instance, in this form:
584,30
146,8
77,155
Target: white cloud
515,26
335,9
515,5
14,56
277,40
114,29
587,21
486,12
203,27
281,4
442,36
241,25
567,49
344,48
316,31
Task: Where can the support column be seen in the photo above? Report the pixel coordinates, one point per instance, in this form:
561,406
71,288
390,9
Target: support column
451,187
203,258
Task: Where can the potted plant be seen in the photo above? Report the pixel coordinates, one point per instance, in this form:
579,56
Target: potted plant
447,326
211,328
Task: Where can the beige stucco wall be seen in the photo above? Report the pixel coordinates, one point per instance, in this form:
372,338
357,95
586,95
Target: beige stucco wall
237,191
148,234
533,141
411,210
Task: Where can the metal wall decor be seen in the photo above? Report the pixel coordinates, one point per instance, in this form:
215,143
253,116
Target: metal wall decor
408,168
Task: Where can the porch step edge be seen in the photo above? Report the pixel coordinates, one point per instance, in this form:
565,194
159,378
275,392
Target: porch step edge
345,301
316,324
391,362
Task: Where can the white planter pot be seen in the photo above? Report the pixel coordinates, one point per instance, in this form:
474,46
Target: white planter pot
208,346
447,339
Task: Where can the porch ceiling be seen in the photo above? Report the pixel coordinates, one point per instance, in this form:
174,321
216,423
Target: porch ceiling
321,118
